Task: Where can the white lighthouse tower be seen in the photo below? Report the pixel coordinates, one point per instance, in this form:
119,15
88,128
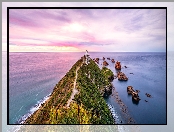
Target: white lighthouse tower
86,58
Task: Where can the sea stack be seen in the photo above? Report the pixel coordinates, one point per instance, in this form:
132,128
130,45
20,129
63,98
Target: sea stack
113,61
105,63
121,76
118,65
134,93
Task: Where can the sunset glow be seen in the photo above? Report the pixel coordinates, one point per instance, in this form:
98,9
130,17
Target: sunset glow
75,30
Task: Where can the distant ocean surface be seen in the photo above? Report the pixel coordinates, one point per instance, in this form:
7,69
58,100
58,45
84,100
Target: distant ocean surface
32,77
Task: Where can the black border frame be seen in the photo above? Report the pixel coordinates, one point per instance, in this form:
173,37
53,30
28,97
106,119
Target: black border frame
8,8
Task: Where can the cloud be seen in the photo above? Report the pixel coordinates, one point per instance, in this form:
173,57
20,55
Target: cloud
88,28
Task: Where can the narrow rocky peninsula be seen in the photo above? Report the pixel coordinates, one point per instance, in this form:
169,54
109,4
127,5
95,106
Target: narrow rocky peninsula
78,98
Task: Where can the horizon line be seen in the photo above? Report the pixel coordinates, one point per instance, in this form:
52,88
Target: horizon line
78,51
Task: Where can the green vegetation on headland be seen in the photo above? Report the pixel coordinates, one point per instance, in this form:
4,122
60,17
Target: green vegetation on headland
88,105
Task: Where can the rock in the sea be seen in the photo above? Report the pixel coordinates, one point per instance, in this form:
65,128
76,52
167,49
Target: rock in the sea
125,66
134,93
135,96
118,65
113,61
105,63
130,90
103,58
121,76
148,95
96,60
108,58
137,91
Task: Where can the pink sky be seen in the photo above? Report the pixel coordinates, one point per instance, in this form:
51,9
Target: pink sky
108,30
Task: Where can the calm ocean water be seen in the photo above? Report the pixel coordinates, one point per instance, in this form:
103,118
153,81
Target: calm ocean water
34,75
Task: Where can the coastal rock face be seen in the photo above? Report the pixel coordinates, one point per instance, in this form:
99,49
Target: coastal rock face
107,91
96,60
121,76
111,78
134,93
118,65
105,63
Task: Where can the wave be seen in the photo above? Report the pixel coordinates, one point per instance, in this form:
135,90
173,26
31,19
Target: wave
114,113
33,109
122,128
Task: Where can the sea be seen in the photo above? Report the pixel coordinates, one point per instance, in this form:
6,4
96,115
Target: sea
32,77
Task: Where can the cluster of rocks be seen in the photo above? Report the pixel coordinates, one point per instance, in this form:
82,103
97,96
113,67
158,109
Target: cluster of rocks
134,93
105,63
124,109
148,95
121,76
112,60
118,65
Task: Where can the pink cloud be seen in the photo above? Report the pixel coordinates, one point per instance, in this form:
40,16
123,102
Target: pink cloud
87,28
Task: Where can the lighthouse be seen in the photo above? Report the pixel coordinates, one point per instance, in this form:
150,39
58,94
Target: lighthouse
86,53
86,58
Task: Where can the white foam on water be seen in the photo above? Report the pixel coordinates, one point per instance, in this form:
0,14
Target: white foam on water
114,113
33,109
